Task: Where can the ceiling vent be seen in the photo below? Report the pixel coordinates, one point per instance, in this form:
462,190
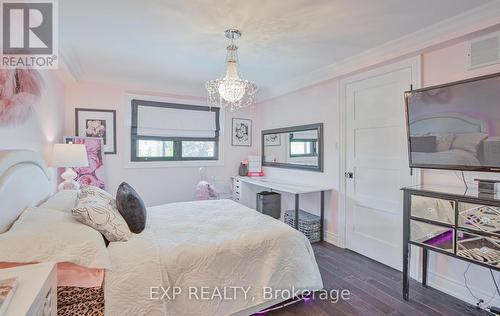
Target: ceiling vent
484,51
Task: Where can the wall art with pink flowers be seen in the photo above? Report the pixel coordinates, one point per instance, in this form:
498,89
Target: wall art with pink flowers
20,90
97,123
94,173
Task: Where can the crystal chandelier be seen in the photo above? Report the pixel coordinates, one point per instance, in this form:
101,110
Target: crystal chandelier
231,91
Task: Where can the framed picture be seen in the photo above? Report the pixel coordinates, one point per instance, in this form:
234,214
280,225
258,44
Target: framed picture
94,173
97,123
272,140
242,132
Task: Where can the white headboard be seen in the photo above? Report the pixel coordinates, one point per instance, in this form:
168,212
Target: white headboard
24,182
447,123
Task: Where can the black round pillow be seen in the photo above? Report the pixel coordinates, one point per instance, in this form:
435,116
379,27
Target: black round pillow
131,207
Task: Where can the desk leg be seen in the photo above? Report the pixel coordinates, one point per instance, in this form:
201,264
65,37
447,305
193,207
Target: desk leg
322,215
296,211
425,252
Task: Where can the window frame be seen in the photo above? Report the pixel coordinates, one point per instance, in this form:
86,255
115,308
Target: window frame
135,103
314,145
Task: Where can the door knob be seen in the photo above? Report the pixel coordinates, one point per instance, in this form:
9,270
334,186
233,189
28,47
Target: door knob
349,175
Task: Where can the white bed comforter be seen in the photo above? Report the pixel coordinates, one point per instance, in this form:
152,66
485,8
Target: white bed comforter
449,157
213,244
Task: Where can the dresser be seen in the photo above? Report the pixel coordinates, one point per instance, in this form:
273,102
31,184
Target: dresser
36,292
453,221
236,189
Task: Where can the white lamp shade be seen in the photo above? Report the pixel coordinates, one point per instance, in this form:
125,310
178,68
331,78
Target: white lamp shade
70,155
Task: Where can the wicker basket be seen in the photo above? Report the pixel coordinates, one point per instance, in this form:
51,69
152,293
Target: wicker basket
309,224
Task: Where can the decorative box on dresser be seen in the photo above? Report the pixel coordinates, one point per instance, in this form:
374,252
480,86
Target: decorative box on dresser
453,221
36,291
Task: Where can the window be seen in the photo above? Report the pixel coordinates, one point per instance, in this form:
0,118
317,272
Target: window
303,147
169,132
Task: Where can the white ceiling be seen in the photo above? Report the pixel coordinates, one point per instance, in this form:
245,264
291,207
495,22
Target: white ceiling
177,45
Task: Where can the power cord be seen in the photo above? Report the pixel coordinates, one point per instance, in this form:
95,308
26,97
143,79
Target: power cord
480,302
495,281
465,182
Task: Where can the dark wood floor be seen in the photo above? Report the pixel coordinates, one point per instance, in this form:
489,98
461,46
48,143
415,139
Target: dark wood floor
375,290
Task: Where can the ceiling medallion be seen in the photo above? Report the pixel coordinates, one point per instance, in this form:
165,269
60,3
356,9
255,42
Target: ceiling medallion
231,91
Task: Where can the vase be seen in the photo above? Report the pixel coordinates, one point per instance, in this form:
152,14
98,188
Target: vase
243,170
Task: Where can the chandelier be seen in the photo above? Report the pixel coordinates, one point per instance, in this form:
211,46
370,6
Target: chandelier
231,91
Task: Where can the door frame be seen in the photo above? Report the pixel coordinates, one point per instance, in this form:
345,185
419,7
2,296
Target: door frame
415,64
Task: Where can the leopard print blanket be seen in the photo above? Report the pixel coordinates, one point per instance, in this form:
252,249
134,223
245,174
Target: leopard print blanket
78,301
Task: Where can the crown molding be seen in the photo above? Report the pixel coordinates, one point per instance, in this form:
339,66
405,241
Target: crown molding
475,20
71,62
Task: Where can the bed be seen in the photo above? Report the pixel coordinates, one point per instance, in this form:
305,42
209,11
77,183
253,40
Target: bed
189,246
450,138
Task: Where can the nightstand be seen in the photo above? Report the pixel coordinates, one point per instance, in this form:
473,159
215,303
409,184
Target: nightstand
36,292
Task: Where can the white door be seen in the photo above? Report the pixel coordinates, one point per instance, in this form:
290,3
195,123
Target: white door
376,155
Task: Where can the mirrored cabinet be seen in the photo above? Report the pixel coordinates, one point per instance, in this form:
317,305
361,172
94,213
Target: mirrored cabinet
456,222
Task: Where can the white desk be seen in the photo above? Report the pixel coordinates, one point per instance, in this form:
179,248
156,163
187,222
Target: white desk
292,188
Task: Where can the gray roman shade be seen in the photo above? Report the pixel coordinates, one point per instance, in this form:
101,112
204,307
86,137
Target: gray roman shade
175,122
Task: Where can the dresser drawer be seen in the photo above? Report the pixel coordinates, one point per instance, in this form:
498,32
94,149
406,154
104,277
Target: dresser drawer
45,303
479,248
436,236
434,209
481,218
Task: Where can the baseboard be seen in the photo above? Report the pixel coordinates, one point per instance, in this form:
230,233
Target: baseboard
457,289
331,238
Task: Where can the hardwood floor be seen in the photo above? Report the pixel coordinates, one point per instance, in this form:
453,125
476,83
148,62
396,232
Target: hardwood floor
375,290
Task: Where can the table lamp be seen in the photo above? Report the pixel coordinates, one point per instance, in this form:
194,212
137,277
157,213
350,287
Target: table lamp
69,156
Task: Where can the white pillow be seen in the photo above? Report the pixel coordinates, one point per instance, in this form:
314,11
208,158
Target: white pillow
444,141
468,141
97,209
42,234
64,200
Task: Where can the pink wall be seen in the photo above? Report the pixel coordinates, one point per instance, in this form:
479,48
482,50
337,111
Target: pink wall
45,126
156,185
318,104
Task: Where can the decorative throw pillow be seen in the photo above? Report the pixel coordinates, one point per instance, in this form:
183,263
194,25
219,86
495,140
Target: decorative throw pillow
444,141
468,141
423,144
97,209
131,207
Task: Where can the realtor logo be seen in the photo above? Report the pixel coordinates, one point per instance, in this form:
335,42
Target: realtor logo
29,34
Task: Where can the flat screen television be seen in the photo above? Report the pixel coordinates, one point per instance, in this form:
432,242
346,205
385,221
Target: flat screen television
455,126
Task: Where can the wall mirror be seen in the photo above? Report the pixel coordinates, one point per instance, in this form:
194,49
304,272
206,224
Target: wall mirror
297,147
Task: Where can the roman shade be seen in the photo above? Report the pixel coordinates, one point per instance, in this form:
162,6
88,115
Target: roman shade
176,122
312,135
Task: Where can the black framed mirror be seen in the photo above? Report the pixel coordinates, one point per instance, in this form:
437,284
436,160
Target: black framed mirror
296,147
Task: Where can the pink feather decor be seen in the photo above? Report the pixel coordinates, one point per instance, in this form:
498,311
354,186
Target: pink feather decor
20,89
